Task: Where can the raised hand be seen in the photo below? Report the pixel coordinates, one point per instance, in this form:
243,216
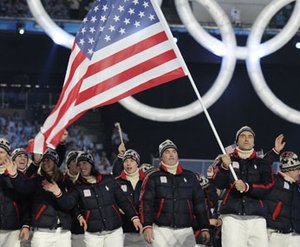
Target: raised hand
10,166
226,160
51,187
279,143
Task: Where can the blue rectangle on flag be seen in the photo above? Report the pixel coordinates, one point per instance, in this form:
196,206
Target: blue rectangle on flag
110,21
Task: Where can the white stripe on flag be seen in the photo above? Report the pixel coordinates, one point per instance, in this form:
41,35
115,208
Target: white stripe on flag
125,65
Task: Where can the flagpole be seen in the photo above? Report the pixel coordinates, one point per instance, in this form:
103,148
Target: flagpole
211,123
179,55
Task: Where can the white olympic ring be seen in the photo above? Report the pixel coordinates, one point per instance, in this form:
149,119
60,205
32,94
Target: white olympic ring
253,63
228,49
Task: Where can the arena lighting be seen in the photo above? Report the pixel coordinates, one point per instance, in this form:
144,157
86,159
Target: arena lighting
57,34
20,28
297,45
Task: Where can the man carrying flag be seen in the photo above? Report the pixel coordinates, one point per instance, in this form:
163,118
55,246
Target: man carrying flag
123,47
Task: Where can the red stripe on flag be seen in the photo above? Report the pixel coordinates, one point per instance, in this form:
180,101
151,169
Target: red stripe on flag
125,75
128,52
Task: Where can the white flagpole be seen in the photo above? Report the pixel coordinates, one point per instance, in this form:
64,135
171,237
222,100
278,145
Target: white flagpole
178,53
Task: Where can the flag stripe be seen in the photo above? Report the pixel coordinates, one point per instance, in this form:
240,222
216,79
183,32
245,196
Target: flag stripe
127,42
128,52
115,69
124,76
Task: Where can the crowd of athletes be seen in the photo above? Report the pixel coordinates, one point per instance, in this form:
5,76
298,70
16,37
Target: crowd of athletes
141,205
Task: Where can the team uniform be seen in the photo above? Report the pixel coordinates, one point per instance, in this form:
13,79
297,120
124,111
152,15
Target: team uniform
282,211
243,213
99,198
50,222
173,205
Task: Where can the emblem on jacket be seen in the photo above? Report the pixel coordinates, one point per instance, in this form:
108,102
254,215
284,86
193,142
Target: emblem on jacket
286,185
163,179
235,165
255,167
87,193
185,180
106,187
124,187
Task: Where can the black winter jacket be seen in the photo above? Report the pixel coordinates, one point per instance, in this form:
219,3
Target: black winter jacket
296,208
9,207
133,195
46,213
254,171
99,203
279,202
171,200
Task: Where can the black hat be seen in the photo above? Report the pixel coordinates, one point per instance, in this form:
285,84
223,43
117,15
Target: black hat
165,145
4,143
52,155
244,128
17,152
86,156
289,161
132,154
72,155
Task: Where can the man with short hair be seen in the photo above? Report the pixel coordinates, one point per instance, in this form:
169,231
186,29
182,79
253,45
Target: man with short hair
172,203
242,210
281,218
131,180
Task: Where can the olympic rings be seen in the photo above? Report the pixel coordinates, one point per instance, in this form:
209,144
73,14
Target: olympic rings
226,48
253,65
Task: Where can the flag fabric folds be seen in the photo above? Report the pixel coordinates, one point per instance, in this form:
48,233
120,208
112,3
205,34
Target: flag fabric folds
123,47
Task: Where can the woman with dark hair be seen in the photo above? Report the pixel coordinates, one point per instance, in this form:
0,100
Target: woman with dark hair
51,223
99,198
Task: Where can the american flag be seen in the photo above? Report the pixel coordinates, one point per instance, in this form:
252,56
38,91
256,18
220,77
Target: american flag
122,47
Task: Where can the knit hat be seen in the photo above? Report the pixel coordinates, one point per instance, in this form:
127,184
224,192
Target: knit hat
72,155
86,156
132,154
165,145
4,143
289,161
203,181
244,128
17,152
52,155
148,169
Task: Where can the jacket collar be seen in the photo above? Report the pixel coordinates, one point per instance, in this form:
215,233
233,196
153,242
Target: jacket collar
236,154
141,175
178,171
